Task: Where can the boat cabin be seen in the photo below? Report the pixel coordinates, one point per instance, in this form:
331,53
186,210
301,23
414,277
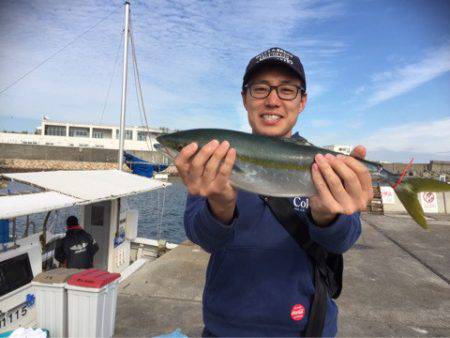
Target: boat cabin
101,196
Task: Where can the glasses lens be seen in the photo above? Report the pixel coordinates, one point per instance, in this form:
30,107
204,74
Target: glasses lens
287,92
259,91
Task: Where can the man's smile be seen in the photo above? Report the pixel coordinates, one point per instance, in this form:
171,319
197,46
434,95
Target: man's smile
271,118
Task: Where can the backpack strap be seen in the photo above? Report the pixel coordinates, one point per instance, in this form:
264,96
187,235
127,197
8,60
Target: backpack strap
282,210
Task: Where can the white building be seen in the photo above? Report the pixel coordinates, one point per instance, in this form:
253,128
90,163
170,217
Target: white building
340,148
68,134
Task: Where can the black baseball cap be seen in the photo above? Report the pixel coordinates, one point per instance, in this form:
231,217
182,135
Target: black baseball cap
72,221
275,55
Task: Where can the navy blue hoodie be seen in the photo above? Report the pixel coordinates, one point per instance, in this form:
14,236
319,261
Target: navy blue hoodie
259,281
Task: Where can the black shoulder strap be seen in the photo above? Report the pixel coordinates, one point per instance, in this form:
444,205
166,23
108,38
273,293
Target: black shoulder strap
282,210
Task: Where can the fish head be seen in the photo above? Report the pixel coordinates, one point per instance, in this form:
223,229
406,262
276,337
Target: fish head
173,143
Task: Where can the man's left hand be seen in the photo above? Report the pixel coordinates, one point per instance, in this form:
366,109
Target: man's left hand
344,186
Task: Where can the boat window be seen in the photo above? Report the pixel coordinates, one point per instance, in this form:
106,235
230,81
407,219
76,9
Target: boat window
97,215
14,273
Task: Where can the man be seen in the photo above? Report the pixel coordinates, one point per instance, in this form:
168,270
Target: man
77,248
259,281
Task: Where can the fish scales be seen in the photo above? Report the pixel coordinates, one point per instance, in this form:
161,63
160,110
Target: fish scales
264,165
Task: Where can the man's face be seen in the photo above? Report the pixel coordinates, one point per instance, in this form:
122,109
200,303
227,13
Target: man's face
272,116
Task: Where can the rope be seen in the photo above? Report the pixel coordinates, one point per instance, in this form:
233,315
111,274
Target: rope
14,230
403,174
141,107
158,226
55,221
139,87
57,52
162,212
27,226
112,78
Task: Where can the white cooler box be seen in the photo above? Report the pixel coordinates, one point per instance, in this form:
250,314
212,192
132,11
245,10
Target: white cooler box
92,299
51,300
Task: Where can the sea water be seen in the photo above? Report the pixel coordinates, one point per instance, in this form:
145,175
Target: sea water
160,213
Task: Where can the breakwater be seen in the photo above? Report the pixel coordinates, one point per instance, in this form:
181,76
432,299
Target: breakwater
79,154
32,157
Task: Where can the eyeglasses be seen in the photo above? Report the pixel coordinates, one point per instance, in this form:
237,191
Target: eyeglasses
286,92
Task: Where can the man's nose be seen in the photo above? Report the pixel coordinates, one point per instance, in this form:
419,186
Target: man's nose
273,99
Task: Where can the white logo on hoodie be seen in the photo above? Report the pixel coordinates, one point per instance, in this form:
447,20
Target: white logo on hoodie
79,248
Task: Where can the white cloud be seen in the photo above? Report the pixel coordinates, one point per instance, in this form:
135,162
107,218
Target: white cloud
191,55
395,82
432,137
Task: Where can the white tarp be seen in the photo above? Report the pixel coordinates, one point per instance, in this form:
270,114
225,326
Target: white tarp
21,205
90,185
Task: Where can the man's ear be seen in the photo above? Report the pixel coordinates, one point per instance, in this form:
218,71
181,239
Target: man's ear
303,101
244,97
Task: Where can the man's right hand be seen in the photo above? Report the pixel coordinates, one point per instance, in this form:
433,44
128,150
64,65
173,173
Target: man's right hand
207,174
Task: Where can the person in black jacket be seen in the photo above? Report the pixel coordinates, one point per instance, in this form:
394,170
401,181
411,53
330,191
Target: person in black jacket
77,248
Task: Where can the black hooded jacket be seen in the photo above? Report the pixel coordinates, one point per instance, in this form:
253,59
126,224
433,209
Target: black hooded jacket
76,249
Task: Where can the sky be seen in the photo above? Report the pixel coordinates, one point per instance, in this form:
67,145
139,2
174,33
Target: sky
378,72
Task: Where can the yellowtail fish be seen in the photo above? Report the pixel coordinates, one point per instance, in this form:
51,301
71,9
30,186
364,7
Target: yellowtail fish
273,166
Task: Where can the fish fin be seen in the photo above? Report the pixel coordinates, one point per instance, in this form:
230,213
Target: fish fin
412,206
427,184
298,140
407,192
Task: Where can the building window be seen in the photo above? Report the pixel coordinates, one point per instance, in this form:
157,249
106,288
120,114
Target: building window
142,135
101,133
55,130
78,132
128,134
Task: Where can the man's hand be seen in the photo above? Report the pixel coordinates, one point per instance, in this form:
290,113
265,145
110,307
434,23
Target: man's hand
207,174
343,184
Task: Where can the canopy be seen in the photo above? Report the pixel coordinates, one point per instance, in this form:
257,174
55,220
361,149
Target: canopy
21,205
74,188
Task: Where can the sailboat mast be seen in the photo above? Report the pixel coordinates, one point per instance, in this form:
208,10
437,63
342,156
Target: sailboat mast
124,85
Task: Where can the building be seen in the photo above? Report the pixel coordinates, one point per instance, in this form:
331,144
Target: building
442,167
340,149
68,134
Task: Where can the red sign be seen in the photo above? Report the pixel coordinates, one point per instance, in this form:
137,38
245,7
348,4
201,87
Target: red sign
297,312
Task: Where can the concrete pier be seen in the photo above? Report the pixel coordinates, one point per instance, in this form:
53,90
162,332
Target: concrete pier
396,283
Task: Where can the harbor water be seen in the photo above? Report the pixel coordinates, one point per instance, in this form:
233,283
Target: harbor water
160,213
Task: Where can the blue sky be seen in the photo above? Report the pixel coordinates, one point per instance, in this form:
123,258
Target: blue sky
378,72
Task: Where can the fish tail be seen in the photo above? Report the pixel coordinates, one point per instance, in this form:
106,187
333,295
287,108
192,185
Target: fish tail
407,191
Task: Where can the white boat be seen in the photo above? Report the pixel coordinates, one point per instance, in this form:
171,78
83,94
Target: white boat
101,196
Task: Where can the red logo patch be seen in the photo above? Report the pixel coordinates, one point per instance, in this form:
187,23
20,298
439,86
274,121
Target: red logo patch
297,312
